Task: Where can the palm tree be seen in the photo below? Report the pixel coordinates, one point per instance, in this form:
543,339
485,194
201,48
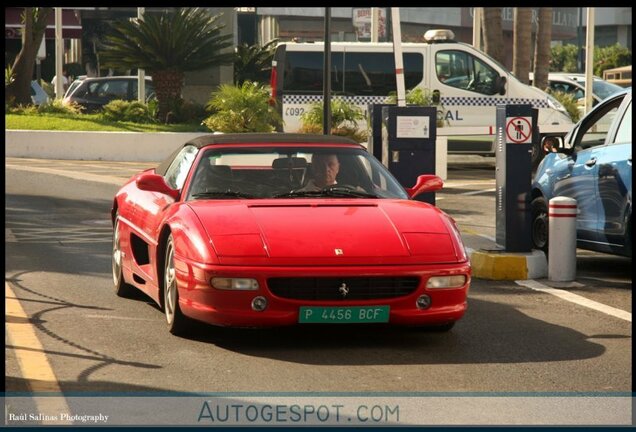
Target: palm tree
522,42
167,45
493,33
254,62
542,48
19,90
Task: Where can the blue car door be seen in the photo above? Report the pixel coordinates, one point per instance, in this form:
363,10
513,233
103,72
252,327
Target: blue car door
614,187
578,180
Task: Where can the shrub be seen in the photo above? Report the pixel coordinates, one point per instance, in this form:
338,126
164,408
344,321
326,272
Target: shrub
243,108
57,106
131,111
188,111
569,102
48,89
344,117
422,97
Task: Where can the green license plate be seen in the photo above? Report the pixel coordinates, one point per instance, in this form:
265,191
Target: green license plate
353,314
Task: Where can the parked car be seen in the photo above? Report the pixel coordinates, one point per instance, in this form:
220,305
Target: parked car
592,164
94,93
223,232
38,95
574,83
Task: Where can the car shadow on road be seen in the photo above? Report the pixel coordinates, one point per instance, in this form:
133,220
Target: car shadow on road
484,335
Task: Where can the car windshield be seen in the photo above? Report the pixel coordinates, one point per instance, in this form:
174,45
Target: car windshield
75,84
291,172
604,89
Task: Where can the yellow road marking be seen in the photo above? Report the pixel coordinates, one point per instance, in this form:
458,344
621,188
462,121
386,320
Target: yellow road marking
34,365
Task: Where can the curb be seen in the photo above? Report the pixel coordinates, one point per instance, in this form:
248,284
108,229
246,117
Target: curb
501,265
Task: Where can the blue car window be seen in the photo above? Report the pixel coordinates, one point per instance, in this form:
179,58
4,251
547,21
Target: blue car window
624,133
597,132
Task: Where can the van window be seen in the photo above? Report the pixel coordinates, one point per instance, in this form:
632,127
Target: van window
374,73
461,70
355,73
115,89
303,72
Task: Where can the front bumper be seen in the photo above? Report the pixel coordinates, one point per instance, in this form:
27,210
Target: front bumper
200,301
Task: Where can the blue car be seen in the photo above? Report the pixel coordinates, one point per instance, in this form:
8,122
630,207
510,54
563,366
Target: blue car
592,164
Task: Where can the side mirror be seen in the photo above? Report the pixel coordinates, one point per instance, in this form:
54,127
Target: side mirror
551,144
501,85
155,183
425,183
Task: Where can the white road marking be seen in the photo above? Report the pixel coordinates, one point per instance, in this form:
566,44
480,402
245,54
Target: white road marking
8,236
576,299
478,192
74,175
119,318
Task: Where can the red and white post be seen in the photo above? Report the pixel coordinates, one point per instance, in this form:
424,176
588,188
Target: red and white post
562,239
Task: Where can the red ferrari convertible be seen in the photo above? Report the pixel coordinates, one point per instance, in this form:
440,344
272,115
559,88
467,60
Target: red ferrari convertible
258,230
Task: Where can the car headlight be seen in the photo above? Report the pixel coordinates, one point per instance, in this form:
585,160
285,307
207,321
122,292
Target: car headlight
455,281
555,104
238,284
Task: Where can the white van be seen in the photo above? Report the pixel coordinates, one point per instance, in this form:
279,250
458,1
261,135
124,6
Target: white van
471,84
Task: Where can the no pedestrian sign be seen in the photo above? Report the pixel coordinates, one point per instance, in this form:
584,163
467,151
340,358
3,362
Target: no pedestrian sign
518,130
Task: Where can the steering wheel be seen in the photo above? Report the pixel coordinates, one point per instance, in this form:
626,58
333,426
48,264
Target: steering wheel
473,82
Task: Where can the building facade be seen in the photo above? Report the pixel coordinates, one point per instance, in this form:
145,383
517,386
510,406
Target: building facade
613,25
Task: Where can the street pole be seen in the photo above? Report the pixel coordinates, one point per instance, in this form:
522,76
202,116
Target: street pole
326,81
375,18
141,74
59,54
477,27
397,52
579,36
589,59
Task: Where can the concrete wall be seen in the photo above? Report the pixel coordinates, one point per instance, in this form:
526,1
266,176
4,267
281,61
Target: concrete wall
110,146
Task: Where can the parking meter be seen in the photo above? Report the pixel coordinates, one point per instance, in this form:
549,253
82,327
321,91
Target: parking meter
408,144
516,132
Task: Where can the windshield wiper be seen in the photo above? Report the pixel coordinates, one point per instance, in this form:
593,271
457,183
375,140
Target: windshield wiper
220,194
330,191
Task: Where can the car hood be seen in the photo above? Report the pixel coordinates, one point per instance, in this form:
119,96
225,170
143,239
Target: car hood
307,231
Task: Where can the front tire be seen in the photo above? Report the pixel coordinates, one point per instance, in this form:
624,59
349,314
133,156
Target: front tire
539,212
177,322
122,289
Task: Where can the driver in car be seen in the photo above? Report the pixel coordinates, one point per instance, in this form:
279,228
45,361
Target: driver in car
325,168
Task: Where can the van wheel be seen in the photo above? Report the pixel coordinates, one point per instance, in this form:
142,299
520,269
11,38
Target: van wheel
539,214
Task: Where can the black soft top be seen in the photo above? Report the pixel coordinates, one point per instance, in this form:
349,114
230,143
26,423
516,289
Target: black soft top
254,138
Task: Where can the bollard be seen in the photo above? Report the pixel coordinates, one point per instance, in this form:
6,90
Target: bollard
562,239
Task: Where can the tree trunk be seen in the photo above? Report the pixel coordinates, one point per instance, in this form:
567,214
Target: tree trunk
168,84
493,34
19,91
542,52
522,43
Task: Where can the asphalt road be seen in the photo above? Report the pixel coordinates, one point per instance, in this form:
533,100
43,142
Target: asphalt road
514,338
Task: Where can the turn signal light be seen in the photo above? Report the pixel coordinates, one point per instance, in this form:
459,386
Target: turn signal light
455,281
238,284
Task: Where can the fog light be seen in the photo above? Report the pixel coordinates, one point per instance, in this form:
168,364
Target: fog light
259,304
423,302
